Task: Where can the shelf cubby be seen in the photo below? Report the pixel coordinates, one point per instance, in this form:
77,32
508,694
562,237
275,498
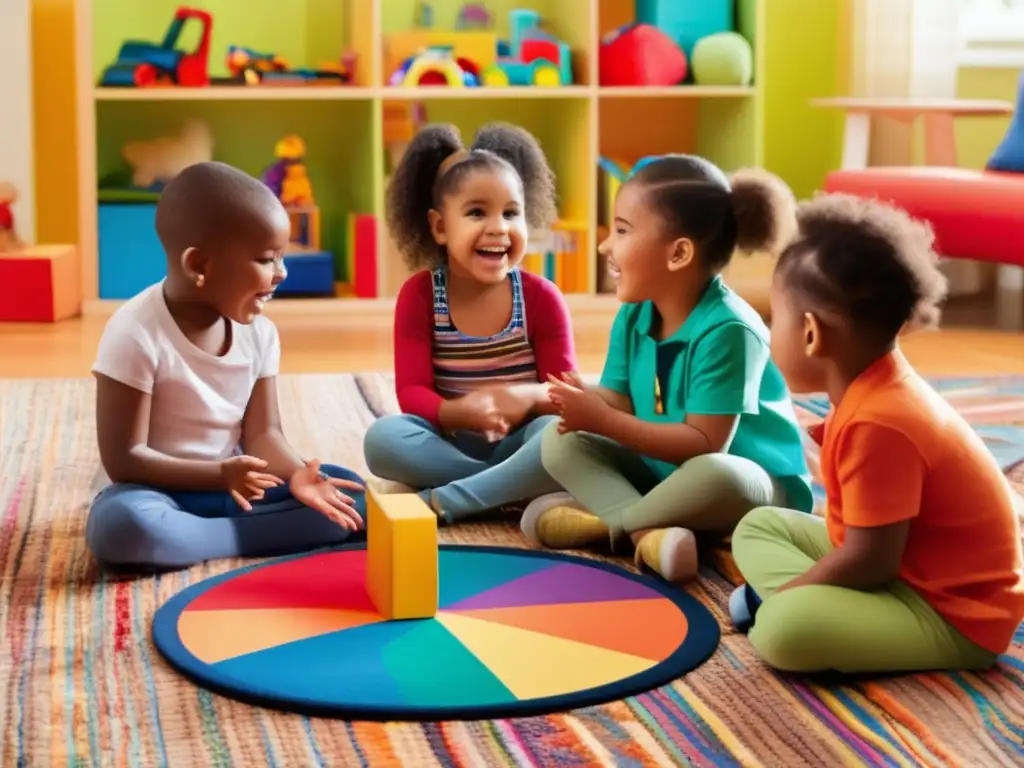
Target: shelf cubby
343,124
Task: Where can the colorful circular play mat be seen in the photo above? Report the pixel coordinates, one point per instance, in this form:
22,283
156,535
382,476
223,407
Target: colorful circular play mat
517,632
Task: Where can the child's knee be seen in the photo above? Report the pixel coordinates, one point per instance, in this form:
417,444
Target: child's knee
119,529
387,437
556,449
752,527
783,633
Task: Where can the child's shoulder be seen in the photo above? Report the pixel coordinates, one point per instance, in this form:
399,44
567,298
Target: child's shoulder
139,315
539,290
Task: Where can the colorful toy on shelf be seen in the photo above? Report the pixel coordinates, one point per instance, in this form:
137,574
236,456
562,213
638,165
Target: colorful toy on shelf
530,56
724,58
687,21
141,63
473,16
40,284
9,239
157,161
437,66
640,54
249,67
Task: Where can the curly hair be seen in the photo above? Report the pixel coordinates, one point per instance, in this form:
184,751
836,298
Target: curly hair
866,261
417,186
752,211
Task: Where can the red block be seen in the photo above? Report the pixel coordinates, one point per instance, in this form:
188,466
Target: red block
39,284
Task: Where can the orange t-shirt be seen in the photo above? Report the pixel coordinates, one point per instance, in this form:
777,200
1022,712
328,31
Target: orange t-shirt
895,450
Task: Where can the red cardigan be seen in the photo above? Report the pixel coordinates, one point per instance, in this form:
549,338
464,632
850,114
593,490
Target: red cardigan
548,328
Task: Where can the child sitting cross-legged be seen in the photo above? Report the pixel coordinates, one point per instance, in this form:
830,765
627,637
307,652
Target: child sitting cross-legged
186,397
917,563
475,337
692,425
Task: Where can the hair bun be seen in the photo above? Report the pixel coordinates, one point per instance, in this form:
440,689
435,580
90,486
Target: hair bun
765,211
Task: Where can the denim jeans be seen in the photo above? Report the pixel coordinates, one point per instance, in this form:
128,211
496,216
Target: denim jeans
467,474
141,528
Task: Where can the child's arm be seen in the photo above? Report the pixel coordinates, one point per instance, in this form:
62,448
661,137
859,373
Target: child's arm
262,435
881,475
413,339
724,382
122,430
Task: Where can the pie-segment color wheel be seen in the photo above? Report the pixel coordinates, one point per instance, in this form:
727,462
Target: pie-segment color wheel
518,632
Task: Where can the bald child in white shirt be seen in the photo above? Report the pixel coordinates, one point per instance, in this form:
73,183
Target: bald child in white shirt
187,414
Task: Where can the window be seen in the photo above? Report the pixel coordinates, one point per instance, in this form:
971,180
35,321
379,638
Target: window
992,33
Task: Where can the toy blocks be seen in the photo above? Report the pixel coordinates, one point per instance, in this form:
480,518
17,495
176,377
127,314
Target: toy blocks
401,563
39,284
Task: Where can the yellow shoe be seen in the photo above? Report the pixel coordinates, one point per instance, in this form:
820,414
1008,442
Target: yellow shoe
557,521
669,552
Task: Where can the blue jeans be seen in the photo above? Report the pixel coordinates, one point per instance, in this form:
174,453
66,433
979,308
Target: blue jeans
136,527
468,474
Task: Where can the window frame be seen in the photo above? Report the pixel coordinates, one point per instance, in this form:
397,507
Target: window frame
991,34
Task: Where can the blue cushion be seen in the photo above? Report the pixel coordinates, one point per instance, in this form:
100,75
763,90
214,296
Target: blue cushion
1009,155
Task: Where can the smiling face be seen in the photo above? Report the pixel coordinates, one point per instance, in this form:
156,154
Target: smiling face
242,275
638,250
481,224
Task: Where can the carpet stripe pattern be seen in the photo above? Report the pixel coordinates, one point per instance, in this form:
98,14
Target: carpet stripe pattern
82,685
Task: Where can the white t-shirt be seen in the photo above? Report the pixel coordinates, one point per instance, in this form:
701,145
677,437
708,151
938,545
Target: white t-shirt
198,399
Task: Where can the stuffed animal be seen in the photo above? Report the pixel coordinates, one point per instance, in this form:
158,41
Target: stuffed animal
160,160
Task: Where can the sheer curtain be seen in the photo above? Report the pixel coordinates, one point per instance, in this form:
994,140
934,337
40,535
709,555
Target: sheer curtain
908,49
903,49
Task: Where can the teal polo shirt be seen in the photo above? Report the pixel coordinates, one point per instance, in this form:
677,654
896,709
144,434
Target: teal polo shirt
718,362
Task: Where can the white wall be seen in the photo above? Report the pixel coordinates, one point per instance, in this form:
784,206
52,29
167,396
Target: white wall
16,150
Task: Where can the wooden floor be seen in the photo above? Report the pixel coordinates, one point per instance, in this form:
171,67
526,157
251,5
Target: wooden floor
313,343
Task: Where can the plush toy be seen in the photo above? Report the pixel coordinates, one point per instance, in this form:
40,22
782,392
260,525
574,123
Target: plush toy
157,161
639,54
723,59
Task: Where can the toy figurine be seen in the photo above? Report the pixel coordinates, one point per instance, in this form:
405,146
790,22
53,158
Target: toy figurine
8,236
287,176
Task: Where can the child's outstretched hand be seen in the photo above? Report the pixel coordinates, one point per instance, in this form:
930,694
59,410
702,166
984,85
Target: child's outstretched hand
323,494
244,480
581,409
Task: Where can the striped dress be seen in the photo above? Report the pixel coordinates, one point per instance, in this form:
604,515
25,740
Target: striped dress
465,363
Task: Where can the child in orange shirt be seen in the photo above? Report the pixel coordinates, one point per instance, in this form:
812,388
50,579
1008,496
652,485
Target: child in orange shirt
917,564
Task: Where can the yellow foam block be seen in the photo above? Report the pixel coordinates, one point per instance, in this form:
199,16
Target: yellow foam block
401,567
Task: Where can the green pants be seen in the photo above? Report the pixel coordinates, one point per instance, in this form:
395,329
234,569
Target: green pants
708,493
822,628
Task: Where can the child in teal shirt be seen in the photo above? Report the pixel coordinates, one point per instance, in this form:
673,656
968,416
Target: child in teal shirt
692,425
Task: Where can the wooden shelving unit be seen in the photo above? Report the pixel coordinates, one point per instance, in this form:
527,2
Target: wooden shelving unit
343,125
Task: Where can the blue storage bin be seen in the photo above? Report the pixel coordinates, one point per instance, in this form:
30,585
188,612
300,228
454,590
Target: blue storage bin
130,255
687,21
308,273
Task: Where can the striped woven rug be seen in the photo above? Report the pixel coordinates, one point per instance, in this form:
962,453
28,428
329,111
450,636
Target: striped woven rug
81,684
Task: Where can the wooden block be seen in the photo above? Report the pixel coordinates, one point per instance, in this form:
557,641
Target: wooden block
401,567
40,284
